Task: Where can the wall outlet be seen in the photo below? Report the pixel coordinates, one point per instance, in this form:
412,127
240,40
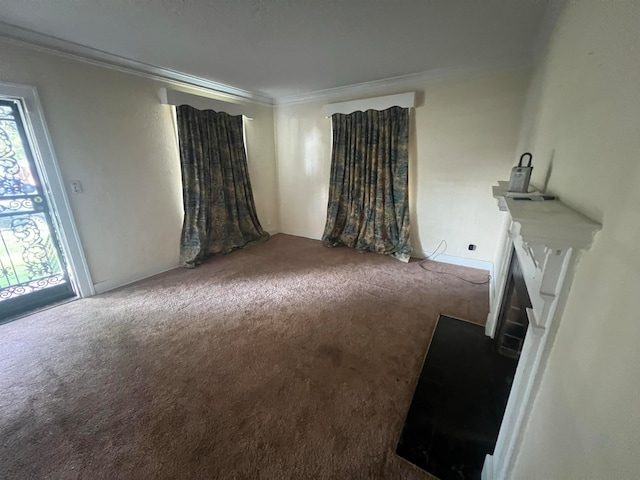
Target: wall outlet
76,186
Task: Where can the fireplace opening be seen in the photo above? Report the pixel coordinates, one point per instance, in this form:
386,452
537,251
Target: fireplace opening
512,319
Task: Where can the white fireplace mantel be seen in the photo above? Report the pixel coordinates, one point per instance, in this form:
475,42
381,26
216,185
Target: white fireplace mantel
548,222
545,235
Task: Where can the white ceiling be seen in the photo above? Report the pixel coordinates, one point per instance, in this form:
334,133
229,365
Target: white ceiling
280,48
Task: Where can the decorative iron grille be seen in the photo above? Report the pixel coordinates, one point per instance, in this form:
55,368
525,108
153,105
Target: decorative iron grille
30,257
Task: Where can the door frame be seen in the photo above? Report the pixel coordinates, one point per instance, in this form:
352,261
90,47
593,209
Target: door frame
53,184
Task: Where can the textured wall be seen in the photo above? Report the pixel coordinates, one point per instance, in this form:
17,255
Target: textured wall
463,139
583,119
111,133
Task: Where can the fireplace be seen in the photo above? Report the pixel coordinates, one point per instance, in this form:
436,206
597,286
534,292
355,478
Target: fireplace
513,321
534,274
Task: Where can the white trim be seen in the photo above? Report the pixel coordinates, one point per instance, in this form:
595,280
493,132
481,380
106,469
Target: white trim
548,298
107,285
52,179
378,87
466,262
301,234
453,260
404,100
176,98
49,44
487,468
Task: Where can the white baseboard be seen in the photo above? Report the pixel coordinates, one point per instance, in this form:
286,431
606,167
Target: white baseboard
464,262
301,234
121,282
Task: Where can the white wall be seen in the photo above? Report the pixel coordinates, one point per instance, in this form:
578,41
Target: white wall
261,157
111,133
585,114
463,139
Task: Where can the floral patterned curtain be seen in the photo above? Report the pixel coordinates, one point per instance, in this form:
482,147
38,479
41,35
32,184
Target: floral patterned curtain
219,212
368,196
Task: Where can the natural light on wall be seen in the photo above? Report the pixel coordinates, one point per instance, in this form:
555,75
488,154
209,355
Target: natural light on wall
312,149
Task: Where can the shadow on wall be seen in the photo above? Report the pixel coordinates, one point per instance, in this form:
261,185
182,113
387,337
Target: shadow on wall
547,174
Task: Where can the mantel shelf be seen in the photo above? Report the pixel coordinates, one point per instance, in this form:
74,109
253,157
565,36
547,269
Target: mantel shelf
550,222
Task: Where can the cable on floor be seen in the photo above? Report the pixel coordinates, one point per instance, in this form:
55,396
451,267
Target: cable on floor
454,275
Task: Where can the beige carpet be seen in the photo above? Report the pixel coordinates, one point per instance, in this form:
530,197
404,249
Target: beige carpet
285,360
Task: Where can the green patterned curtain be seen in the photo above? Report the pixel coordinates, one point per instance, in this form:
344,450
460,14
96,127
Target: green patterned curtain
368,197
219,212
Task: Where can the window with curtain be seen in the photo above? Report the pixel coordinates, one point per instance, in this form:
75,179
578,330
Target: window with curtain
219,211
368,206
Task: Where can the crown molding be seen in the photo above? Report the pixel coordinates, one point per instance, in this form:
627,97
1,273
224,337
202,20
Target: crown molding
31,39
386,85
57,46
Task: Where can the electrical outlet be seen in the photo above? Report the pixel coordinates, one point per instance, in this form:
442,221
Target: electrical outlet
76,186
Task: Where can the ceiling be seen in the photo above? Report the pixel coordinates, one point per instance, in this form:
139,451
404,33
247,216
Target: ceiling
280,48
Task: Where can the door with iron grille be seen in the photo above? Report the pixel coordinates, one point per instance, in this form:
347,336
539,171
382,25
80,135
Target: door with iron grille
33,271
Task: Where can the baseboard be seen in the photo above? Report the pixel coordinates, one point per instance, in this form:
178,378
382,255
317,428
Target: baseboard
121,282
464,262
301,234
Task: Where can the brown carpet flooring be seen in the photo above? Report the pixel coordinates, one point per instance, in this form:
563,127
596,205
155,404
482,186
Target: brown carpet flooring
287,360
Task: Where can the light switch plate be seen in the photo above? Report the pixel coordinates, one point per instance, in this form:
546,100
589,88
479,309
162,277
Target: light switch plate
76,186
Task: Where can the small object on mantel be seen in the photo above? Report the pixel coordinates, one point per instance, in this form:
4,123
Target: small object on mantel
535,197
501,191
520,175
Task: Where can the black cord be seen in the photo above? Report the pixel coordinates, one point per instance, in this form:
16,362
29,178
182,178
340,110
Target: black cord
454,275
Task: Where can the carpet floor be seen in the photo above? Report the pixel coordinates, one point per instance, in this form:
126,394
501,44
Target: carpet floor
287,360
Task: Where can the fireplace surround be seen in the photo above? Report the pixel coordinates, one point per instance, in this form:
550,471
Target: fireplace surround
513,322
546,237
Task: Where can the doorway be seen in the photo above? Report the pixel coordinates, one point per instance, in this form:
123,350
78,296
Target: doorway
36,261
33,271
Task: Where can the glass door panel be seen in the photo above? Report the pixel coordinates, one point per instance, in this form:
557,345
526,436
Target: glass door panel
33,270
